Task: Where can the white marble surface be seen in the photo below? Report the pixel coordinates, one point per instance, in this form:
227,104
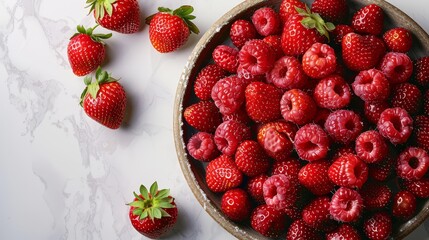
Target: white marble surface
63,176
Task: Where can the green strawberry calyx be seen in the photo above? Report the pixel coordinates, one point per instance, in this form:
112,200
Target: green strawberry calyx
92,87
100,7
152,203
184,12
89,31
314,20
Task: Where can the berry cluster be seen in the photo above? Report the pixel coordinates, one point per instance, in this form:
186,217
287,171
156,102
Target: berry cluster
304,125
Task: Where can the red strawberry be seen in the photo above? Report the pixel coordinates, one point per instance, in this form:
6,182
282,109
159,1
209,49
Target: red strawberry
314,176
289,167
222,174
368,20
254,188
277,139
268,221
86,51
361,52
339,32
226,57
169,30
344,231
375,195
398,40
203,116
408,97
300,230
251,158
381,171
263,102
420,188
316,214
206,79
153,213
421,131
404,205
275,43
241,32
118,15
104,100
287,8
421,71
331,10
378,226
235,204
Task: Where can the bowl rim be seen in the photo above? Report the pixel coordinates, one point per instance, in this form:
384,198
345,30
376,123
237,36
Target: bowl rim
418,32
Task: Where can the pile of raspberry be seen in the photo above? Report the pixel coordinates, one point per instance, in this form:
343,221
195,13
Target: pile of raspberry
325,142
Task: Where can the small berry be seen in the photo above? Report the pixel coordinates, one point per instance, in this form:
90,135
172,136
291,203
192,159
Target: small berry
289,167
228,94
287,8
229,135
339,32
277,139
404,205
397,67
316,214
241,32
222,174
331,10
332,92
398,40
371,86
256,57
412,164
311,142
254,188
235,204
251,159
202,147
375,195
314,176
371,147
266,21
378,226
368,20
280,192
268,221
300,230
361,52
421,71
206,79
421,132
203,116
348,171
373,111
344,231
275,43
287,73
382,170
420,188
319,61
297,107
226,57
346,205
263,102
408,97
395,124
343,126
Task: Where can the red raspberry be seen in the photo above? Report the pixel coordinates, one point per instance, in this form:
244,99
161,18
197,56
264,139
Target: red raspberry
371,147
344,231
426,103
380,171
251,158
344,150
413,163
371,86
408,97
256,57
398,40
202,147
395,124
420,188
421,71
277,139
343,126
222,174
319,61
203,116
297,107
263,102
421,131
236,205
268,221
314,176
378,226
375,195
266,21
373,111
404,205
228,94
316,214
397,67
287,73
321,116
311,142
206,79
346,205
300,230
229,135
332,92
275,43
241,32
339,32
287,8
239,115
254,188
290,168
348,171
226,57
280,192
246,75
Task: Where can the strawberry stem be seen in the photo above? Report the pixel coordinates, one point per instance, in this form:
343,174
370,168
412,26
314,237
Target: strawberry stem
100,8
95,37
184,12
314,20
92,87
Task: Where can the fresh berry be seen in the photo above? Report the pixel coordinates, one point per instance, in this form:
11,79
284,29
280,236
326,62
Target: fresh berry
277,139
280,191
226,57
119,15
361,52
421,71
339,32
371,147
398,40
368,20
256,57
287,8
293,212
378,226
289,167
373,111
254,188
268,221
297,107
239,115
314,176
395,124
421,132
246,75
267,21
311,142
344,231
251,159
206,79
348,171
241,32
332,92
202,147
86,51
420,188
371,86
344,150
287,73
169,30
413,163
263,102
375,195
343,126
203,116
408,97
319,61
330,10
316,214
404,205
153,213
426,103
236,205
222,174
397,67
346,205
382,170
321,116
228,94
274,41
104,100
299,230
229,135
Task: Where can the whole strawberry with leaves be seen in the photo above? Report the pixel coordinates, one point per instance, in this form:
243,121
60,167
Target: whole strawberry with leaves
169,30
104,99
86,50
117,15
153,213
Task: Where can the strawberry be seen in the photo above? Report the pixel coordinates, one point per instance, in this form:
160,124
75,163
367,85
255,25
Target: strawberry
398,40
381,171
222,174
316,214
404,205
378,226
242,31
117,15
104,100
254,188
235,204
251,158
339,32
375,195
407,96
203,116
268,221
86,50
361,52
153,213
287,8
421,71
314,176
344,231
420,188
368,20
263,102
206,79
421,132
300,230
331,10
169,30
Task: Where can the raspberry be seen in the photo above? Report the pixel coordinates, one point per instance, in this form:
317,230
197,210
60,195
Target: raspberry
348,171
397,67
275,43
229,135
268,221
398,40
287,73
206,79
228,94
421,71
371,86
339,32
311,142
332,92
277,139
413,163
297,107
314,176
344,231
254,188
239,115
319,61
235,204
378,226
226,57
300,230
395,124
346,205
290,168
222,174
421,131
316,214
376,195
203,116
202,147
408,97
280,192
251,159
266,21
241,32
263,102
246,75
343,126
380,171
371,147
404,205
256,57
321,116
344,150
373,111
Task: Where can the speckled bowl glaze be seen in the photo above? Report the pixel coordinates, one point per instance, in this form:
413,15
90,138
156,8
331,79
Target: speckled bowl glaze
194,170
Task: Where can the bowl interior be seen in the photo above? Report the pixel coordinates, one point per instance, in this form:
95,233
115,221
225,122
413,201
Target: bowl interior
194,170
